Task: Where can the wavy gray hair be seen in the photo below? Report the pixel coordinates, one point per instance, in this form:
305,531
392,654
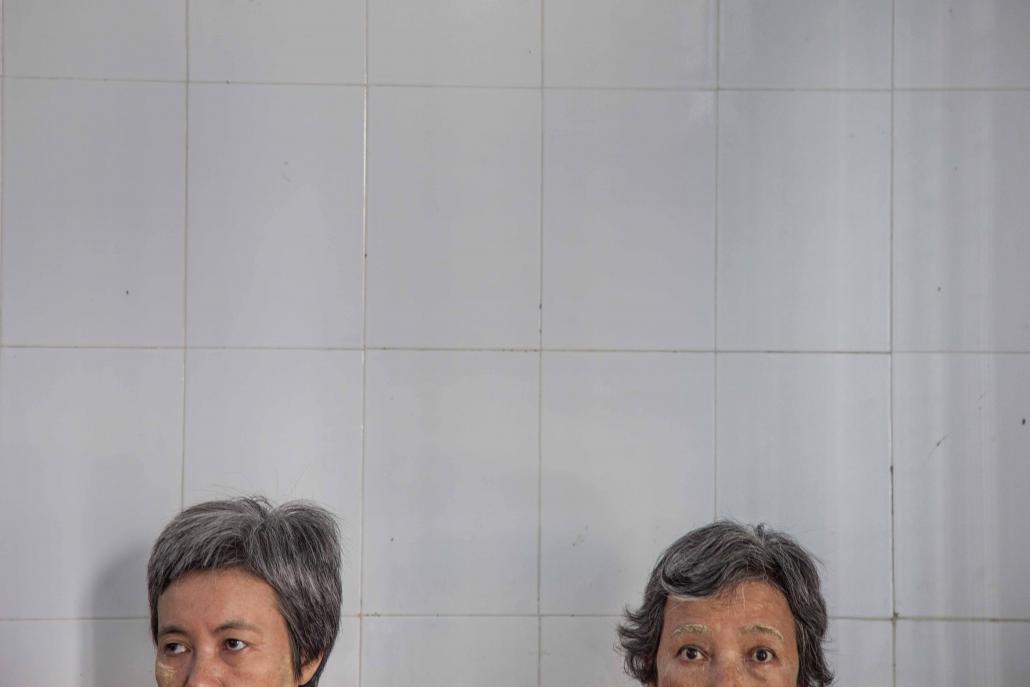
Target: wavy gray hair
718,557
295,548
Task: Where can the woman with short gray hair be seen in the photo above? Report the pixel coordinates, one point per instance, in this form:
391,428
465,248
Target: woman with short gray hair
729,604
245,594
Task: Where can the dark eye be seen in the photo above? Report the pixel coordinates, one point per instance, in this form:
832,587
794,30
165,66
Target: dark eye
691,653
763,655
174,648
235,644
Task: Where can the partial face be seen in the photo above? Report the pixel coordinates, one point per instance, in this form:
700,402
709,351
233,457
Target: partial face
222,628
743,637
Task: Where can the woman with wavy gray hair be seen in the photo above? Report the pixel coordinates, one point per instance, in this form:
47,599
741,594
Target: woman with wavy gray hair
244,594
729,604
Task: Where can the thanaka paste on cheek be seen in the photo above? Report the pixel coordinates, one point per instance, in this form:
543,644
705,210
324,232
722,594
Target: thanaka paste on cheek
163,673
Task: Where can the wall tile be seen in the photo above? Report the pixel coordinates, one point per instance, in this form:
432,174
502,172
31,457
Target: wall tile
110,39
804,221
462,42
454,218
614,43
962,434
285,424
87,653
629,212
960,206
451,474
314,41
91,453
956,654
275,216
962,43
445,652
804,445
627,468
805,44
860,652
93,213
580,652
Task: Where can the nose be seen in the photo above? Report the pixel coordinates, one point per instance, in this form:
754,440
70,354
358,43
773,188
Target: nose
729,673
205,671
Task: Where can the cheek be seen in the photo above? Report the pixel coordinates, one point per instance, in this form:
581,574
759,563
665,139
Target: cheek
164,674
266,671
286,669
671,674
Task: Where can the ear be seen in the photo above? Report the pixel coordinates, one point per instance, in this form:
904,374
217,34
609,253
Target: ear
307,671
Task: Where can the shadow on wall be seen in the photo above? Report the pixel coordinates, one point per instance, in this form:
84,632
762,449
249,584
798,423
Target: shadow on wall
117,651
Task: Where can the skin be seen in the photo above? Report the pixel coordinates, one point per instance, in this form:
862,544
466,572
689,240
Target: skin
741,637
222,628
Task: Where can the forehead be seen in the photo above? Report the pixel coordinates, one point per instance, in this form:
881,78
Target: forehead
752,602
213,596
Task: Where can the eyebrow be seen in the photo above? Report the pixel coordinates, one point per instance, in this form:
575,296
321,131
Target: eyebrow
237,625
169,630
227,625
763,629
694,628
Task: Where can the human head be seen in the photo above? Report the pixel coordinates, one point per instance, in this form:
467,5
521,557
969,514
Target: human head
293,548
713,560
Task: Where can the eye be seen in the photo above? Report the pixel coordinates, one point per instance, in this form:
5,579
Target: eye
235,644
763,655
691,653
174,648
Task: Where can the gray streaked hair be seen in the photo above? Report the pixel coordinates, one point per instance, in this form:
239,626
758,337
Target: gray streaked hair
716,558
295,548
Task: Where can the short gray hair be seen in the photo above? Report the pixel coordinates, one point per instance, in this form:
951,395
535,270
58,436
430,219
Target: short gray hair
718,557
295,548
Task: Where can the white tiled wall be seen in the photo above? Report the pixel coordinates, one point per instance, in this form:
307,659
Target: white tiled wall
522,290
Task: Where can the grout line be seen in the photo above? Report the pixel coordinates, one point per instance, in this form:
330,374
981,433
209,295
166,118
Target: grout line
195,82
95,618
309,84
533,349
185,258
3,128
71,619
540,380
364,354
612,616
494,87
97,79
3,165
959,619
528,616
946,352
794,89
961,89
715,280
118,347
890,370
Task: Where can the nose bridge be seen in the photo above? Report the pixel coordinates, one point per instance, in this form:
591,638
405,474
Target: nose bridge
205,669
729,670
